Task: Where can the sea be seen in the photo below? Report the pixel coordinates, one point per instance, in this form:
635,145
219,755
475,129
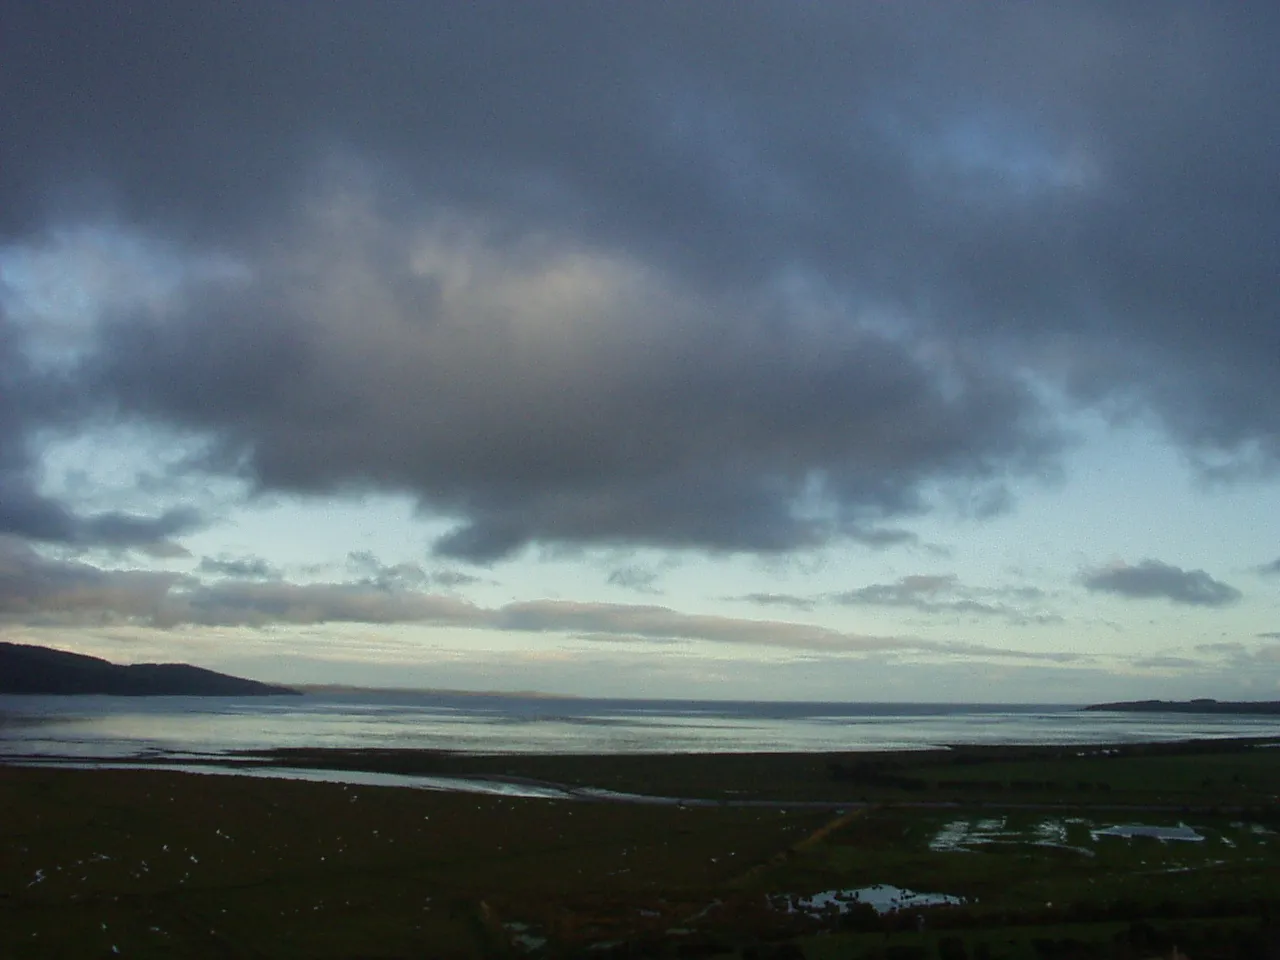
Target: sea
156,728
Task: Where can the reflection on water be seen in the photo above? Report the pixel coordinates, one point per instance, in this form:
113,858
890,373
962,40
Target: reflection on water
361,778
90,727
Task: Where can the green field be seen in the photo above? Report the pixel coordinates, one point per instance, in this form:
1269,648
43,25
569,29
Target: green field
161,864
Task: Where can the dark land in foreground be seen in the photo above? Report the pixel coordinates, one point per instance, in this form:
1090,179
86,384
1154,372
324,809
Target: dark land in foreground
26,669
155,863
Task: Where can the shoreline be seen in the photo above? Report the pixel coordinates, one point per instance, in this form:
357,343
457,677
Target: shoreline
925,777
523,789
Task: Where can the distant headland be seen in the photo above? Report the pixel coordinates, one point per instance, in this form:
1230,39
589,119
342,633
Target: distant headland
28,669
1191,706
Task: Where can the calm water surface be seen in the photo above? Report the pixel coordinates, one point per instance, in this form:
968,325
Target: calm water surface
122,727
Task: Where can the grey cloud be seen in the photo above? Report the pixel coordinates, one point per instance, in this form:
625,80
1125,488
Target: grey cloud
1230,647
634,578
123,529
912,590
452,578
163,549
1167,662
880,537
1153,579
1245,660
36,590
26,513
569,397
952,201
41,591
242,568
374,572
385,576
30,401
663,624
927,593
1270,568
779,600
261,604
622,638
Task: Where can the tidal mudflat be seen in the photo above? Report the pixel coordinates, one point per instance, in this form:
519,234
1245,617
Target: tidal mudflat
975,852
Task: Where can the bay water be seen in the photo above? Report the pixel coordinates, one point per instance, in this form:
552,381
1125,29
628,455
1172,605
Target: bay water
101,727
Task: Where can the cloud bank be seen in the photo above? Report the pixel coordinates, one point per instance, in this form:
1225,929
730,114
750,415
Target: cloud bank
42,592
1153,579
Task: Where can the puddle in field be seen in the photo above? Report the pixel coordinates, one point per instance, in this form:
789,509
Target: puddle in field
963,834
1257,829
966,835
1180,832
1050,831
522,938
883,898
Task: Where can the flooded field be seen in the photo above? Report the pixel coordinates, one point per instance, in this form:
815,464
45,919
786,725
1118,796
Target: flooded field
1081,834
841,857
882,898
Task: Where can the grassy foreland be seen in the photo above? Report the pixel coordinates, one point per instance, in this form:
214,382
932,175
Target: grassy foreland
152,863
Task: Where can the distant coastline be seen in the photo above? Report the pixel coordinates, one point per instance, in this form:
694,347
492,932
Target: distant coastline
347,688
1191,706
26,669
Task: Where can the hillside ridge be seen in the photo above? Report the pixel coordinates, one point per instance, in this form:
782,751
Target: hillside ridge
30,669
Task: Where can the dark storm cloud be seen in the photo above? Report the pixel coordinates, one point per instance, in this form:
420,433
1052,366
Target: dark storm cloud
858,231
565,396
1153,579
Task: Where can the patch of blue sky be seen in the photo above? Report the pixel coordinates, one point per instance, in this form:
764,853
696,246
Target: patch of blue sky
59,289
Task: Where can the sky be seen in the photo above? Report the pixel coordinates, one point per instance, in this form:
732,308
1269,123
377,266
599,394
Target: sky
829,351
